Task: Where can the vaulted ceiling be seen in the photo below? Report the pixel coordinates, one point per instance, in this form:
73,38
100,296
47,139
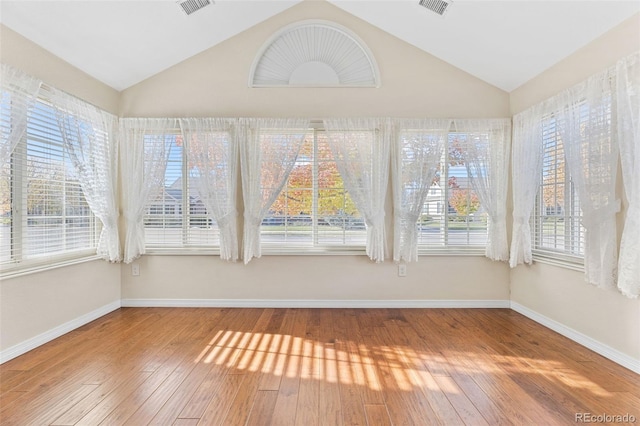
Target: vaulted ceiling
504,43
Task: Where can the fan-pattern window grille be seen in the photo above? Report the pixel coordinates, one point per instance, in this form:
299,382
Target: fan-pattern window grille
314,54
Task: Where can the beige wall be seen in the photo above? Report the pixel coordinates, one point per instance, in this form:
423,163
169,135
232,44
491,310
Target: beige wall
561,294
34,60
587,61
215,82
36,303
295,278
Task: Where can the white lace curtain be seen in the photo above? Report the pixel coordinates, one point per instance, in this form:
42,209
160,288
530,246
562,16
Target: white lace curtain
89,136
628,108
145,148
17,95
485,149
416,153
268,152
526,169
592,159
212,149
361,148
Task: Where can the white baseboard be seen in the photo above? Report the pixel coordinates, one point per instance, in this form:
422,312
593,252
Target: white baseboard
56,332
586,341
304,303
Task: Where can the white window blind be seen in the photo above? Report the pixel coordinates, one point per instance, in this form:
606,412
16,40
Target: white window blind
313,210
45,215
556,229
176,216
452,216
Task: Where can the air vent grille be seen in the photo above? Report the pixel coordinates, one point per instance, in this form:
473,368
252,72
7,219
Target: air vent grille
191,6
437,6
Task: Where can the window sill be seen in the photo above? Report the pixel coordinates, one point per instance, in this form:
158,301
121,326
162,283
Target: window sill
313,251
567,262
28,268
451,251
209,251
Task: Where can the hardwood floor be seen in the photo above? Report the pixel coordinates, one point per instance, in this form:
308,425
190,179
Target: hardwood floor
171,366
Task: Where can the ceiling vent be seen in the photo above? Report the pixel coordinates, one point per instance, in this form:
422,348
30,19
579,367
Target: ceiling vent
191,6
437,6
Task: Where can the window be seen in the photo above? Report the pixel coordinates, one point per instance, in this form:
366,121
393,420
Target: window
44,215
176,216
556,217
313,210
452,215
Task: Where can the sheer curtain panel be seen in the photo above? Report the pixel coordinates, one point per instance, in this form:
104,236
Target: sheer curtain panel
592,159
361,148
268,152
19,92
628,107
145,145
213,151
89,136
485,149
416,153
526,170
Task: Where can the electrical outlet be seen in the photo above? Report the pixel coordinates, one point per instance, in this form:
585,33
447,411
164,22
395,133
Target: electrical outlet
402,270
135,269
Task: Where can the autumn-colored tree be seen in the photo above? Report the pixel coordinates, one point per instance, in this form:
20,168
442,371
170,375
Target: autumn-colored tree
5,192
45,188
464,201
553,178
455,157
297,197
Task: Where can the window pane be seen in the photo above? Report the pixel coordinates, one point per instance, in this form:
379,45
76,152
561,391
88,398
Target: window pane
452,214
58,217
5,213
176,216
556,223
313,208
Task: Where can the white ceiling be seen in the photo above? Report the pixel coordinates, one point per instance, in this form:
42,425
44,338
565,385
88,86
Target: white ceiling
504,43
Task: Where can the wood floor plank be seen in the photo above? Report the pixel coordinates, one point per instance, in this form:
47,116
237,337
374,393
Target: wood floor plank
284,411
187,366
404,404
309,393
262,410
221,401
330,411
48,412
243,402
180,398
467,411
377,415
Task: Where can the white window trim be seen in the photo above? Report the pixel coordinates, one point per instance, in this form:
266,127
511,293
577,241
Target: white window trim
40,263
451,251
36,265
549,256
563,260
288,249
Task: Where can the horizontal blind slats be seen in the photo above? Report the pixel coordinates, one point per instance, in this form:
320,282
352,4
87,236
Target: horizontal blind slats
47,215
